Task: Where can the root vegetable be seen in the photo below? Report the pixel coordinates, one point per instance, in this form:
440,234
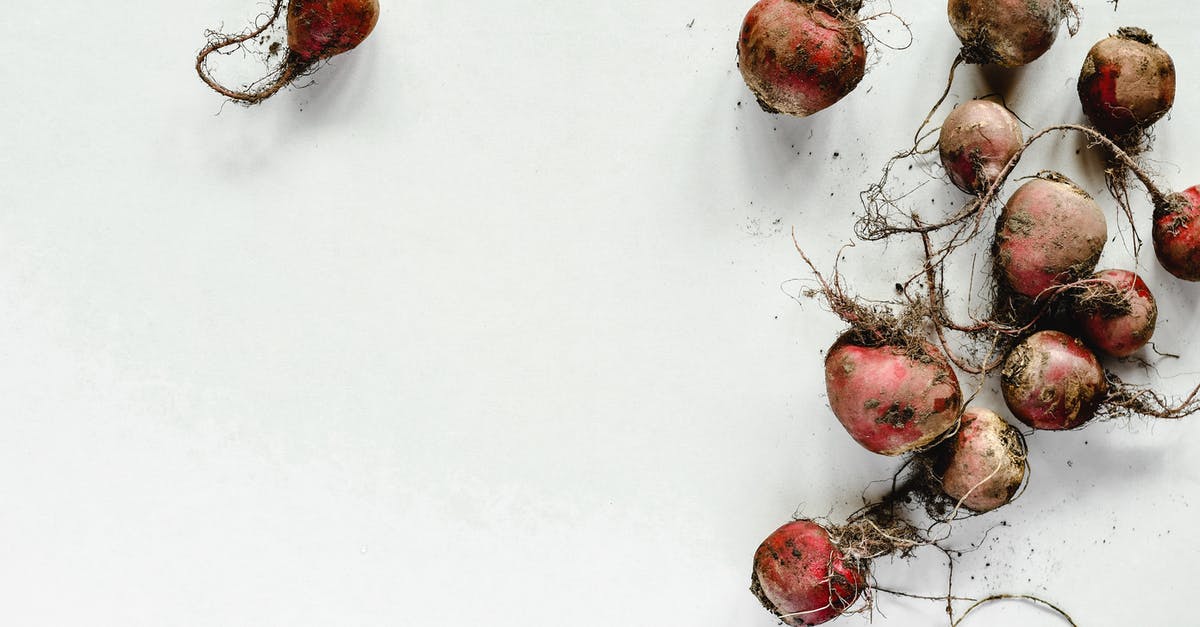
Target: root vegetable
984,463
1177,234
891,398
801,577
801,56
1116,312
316,30
1006,32
1050,233
1052,381
977,140
1127,83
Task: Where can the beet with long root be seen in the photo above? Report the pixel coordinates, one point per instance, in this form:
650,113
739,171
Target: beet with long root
316,30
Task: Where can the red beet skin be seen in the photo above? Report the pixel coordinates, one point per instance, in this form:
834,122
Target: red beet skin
1177,235
1052,381
800,576
1050,233
1117,331
889,401
798,58
1127,82
319,29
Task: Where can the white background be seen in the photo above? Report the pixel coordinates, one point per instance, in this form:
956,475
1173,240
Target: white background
492,325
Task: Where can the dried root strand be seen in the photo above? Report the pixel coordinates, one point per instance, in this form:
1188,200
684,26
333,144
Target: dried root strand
260,90
1125,399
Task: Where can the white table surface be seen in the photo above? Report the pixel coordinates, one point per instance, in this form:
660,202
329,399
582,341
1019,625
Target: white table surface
491,325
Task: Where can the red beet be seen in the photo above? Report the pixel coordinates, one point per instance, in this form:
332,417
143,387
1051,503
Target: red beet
891,399
1177,234
317,30
801,577
1116,312
1052,381
1127,83
801,56
1050,233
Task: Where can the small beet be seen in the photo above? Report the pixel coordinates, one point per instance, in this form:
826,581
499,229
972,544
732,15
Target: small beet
1116,312
1050,233
801,56
891,399
801,577
1127,83
1052,381
1177,234
316,30
984,463
977,140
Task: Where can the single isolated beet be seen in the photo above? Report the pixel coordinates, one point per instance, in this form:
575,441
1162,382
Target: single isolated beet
801,56
1050,233
983,465
1052,381
1008,33
1127,83
977,140
892,398
1177,234
802,577
316,30
1115,312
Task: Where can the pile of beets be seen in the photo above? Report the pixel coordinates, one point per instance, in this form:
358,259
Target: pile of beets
1054,318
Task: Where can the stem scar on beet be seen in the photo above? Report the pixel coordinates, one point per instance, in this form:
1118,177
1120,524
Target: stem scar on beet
316,30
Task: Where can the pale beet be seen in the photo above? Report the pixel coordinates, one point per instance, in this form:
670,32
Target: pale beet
1115,311
984,463
801,56
316,30
977,140
1177,234
1006,32
1052,381
1050,233
1127,83
891,398
801,577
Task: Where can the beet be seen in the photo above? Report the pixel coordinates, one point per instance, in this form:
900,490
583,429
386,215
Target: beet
1127,83
1008,33
1177,234
977,140
1050,233
983,465
1115,312
801,577
801,56
316,30
1052,381
891,398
